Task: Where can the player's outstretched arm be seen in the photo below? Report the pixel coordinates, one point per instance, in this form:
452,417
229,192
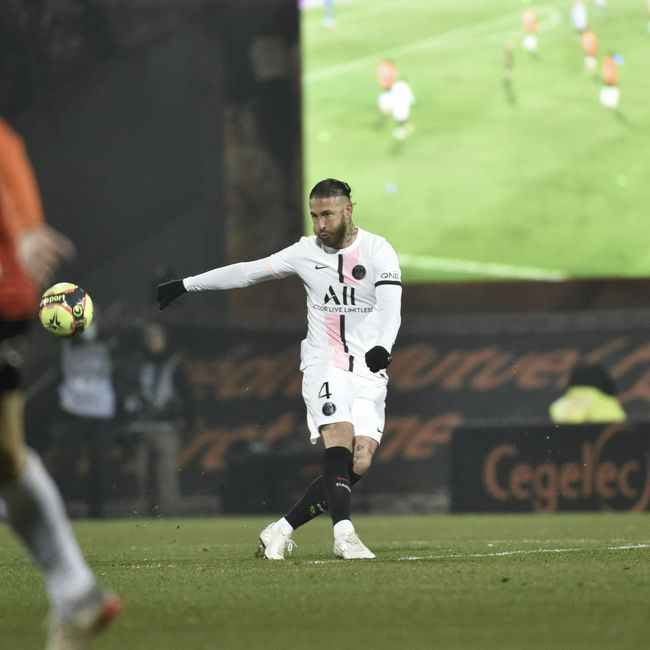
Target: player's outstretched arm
169,291
233,276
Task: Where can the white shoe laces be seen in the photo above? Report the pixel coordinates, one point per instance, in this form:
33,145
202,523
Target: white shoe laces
353,540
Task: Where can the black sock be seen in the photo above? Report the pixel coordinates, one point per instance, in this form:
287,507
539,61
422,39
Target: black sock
313,502
336,482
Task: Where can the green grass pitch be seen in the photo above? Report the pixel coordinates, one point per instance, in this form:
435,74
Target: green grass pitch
439,581
549,187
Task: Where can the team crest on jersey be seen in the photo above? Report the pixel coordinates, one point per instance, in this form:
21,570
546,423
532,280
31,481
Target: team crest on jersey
329,408
359,272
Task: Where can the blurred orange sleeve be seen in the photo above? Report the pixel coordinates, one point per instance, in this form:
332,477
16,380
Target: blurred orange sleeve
20,200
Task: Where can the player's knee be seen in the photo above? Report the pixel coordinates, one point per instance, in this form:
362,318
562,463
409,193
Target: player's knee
362,464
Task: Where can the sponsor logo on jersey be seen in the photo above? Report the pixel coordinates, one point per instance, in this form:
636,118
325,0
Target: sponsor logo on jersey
329,408
394,275
345,298
359,272
320,266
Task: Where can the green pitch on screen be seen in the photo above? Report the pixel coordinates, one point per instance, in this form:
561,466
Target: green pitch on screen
448,582
549,187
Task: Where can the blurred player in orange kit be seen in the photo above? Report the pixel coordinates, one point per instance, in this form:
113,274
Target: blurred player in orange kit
610,93
529,22
386,75
589,42
30,252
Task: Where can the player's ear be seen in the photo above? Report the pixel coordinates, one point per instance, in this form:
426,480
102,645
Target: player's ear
348,210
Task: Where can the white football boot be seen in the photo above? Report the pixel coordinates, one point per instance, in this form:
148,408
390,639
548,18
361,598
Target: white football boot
273,544
350,547
92,616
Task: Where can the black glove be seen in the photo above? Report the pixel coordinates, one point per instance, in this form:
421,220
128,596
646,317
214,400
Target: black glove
377,358
168,291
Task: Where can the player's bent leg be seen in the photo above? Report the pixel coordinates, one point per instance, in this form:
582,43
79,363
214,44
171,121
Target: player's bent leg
364,450
339,439
312,503
13,453
80,609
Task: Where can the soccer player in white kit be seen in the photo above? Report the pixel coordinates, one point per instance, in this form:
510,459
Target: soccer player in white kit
353,283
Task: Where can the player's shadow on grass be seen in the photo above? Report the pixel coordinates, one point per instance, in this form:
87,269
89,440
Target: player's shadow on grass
621,117
509,90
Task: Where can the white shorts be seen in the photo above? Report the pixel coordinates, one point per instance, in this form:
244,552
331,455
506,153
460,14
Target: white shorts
401,111
385,103
530,43
334,395
609,96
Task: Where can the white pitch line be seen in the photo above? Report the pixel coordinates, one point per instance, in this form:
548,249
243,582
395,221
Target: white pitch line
453,265
460,556
551,19
569,549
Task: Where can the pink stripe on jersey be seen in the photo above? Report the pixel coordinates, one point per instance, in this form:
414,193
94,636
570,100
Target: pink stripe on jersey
350,260
270,267
333,326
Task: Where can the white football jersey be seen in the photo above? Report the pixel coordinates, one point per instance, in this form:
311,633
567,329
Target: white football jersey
353,295
344,318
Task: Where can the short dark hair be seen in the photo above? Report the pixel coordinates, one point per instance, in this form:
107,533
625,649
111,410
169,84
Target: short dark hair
592,375
330,187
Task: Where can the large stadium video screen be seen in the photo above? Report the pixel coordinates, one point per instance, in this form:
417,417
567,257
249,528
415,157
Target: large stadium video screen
492,140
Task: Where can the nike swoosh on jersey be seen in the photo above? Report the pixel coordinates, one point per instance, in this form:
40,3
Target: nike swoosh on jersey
320,267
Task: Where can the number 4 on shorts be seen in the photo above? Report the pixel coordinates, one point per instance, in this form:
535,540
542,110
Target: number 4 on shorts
325,390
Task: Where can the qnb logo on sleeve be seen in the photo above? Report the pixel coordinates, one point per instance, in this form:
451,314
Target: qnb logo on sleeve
390,275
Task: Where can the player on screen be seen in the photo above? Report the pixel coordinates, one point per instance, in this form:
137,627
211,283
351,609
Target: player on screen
353,284
589,42
329,20
610,92
386,72
401,101
579,16
529,22
30,251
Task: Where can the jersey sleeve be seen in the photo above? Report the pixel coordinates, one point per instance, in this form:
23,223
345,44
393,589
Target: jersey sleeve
388,291
20,202
234,276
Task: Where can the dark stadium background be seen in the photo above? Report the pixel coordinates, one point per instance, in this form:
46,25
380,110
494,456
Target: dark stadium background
162,150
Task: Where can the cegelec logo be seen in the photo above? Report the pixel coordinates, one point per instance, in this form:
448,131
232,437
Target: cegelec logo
609,469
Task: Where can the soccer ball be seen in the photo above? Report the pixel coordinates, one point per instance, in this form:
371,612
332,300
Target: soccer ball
65,309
